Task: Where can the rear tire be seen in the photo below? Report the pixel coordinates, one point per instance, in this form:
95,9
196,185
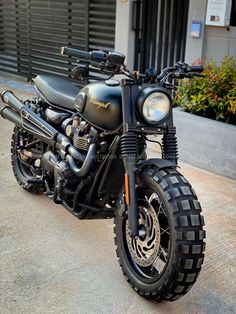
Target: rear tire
20,171
171,271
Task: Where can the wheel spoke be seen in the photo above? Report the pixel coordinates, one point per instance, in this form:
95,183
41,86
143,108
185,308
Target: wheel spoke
30,167
167,231
164,253
31,144
159,209
152,197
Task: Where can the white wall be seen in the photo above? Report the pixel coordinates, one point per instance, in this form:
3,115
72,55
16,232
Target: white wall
125,36
195,46
215,41
220,42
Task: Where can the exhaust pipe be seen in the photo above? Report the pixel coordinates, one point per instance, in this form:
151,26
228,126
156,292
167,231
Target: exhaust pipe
25,118
10,99
7,113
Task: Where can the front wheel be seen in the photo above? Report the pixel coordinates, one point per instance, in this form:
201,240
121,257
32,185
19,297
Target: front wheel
164,261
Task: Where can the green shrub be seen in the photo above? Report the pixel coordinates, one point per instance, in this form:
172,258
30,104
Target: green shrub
213,96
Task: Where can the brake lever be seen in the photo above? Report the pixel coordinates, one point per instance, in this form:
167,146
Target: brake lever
95,64
198,74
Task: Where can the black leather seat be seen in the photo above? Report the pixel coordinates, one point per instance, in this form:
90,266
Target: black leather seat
57,91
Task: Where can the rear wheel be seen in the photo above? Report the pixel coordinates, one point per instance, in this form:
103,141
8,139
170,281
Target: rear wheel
26,160
164,261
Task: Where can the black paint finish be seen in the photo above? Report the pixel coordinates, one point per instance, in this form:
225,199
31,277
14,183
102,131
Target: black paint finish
102,105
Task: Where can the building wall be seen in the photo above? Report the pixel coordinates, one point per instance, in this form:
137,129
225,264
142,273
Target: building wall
125,36
194,46
170,19
219,42
215,42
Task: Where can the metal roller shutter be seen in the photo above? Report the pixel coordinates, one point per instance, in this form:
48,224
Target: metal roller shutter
160,32
32,32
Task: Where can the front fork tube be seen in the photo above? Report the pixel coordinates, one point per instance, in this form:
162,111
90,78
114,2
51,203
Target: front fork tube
130,195
129,151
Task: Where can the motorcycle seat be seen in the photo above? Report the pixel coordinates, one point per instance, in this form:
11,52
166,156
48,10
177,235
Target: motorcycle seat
57,91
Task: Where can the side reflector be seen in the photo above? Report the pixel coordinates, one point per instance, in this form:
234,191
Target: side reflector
126,189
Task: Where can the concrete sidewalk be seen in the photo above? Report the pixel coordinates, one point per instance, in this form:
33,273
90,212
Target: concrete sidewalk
50,262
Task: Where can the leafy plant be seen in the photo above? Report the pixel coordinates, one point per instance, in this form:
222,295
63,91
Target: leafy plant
212,96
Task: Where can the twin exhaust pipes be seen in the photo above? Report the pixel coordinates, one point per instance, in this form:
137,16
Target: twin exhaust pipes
25,118
21,115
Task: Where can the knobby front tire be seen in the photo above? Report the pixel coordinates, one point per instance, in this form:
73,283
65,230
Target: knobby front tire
169,205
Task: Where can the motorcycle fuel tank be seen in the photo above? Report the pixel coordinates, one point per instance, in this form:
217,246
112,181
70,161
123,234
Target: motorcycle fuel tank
100,104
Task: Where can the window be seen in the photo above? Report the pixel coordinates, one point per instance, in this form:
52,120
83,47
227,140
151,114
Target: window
233,14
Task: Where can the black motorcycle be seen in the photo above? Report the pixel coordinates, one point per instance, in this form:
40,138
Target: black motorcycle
86,149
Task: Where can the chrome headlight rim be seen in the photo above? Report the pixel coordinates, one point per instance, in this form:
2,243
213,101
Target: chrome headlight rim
147,92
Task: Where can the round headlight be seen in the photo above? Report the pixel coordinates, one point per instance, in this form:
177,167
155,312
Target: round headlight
156,107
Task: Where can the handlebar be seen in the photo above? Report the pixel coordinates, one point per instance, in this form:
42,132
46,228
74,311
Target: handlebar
113,63
180,70
196,69
95,56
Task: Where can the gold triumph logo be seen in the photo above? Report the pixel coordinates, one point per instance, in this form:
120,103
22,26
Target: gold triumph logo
99,104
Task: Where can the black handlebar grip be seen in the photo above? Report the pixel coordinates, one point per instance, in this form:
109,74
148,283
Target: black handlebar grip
197,68
82,55
98,56
95,56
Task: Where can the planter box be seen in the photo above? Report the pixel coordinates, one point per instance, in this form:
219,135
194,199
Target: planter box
206,143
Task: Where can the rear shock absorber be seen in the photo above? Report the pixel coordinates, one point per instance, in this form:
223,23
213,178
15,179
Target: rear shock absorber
129,153
170,145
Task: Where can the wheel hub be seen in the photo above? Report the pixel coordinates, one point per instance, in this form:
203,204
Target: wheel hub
144,248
